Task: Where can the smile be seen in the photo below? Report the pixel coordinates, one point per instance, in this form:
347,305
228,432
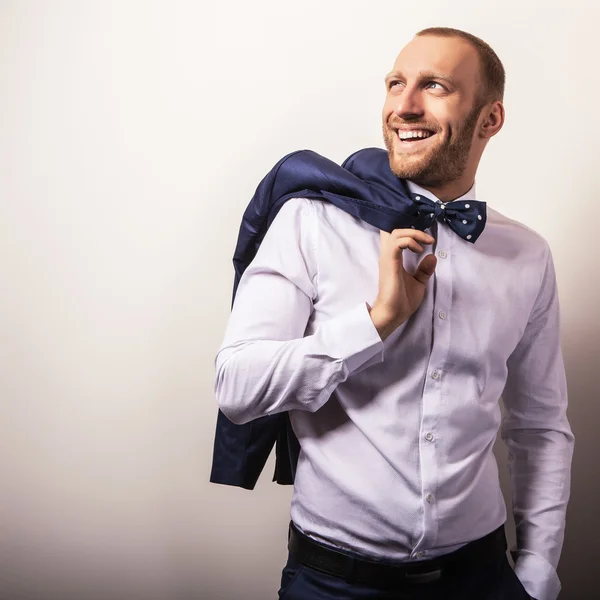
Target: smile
414,135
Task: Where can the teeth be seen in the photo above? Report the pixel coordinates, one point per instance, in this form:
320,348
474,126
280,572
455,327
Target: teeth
407,135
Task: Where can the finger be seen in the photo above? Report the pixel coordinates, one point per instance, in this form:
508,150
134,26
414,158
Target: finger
397,246
416,234
425,269
409,244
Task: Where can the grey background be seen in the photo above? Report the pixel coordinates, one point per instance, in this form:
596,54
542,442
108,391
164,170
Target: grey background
132,135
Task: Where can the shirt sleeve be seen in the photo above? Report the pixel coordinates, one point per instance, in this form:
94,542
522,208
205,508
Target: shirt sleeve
267,364
540,443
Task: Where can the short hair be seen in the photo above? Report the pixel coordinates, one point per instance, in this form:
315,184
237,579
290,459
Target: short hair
492,71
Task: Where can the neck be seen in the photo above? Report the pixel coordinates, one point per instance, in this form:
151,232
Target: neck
449,191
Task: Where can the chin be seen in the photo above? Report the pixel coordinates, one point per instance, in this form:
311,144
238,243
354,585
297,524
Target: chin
407,168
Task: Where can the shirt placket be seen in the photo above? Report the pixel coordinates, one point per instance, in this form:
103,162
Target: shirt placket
430,430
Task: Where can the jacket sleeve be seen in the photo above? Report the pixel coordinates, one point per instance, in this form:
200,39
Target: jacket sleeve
267,364
540,443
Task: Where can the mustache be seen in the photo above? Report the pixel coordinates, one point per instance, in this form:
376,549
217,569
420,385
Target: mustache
395,123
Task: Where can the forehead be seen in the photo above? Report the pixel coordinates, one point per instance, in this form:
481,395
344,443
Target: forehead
451,56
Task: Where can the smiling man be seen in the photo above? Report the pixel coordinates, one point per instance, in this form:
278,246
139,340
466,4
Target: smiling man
436,96
390,351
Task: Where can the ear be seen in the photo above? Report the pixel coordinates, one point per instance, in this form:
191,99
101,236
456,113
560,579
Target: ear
493,119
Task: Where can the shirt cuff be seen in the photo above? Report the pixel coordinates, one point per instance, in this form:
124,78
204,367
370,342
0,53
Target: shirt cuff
538,576
354,339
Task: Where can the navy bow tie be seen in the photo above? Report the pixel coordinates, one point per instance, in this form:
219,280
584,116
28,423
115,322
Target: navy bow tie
465,217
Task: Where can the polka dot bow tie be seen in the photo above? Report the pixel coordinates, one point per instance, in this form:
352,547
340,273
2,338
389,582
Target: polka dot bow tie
465,217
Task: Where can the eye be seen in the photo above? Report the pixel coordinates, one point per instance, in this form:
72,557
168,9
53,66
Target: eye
432,83
393,83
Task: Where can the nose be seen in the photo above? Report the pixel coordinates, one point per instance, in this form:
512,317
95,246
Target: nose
409,104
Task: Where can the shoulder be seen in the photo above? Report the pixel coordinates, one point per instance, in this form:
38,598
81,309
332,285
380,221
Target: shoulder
321,214
502,231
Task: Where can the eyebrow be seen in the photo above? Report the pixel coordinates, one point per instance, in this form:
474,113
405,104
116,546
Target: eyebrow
423,75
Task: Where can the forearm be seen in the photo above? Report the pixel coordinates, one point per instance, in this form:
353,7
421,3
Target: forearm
539,465
261,377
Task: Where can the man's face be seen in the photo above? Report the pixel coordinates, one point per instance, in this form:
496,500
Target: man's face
431,110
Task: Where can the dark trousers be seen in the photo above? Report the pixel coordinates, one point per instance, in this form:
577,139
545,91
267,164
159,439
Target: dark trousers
495,580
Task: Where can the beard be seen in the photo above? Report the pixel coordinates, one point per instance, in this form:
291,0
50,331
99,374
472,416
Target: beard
440,164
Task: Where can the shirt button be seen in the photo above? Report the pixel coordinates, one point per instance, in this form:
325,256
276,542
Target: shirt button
430,498
436,374
442,315
420,554
429,437
442,254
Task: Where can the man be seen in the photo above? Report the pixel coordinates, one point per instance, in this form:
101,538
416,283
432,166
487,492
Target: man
392,364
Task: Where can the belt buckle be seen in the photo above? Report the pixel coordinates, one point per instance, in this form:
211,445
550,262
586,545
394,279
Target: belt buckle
427,577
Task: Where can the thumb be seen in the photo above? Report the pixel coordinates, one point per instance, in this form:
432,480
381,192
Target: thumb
425,269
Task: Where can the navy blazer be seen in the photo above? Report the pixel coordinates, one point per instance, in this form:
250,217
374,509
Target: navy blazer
363,186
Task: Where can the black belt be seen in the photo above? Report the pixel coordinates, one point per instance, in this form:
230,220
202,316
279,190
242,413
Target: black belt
338,563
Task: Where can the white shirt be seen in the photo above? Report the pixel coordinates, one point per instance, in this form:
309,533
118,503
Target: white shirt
396,437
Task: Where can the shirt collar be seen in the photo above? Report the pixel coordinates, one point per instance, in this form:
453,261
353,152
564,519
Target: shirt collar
417,189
